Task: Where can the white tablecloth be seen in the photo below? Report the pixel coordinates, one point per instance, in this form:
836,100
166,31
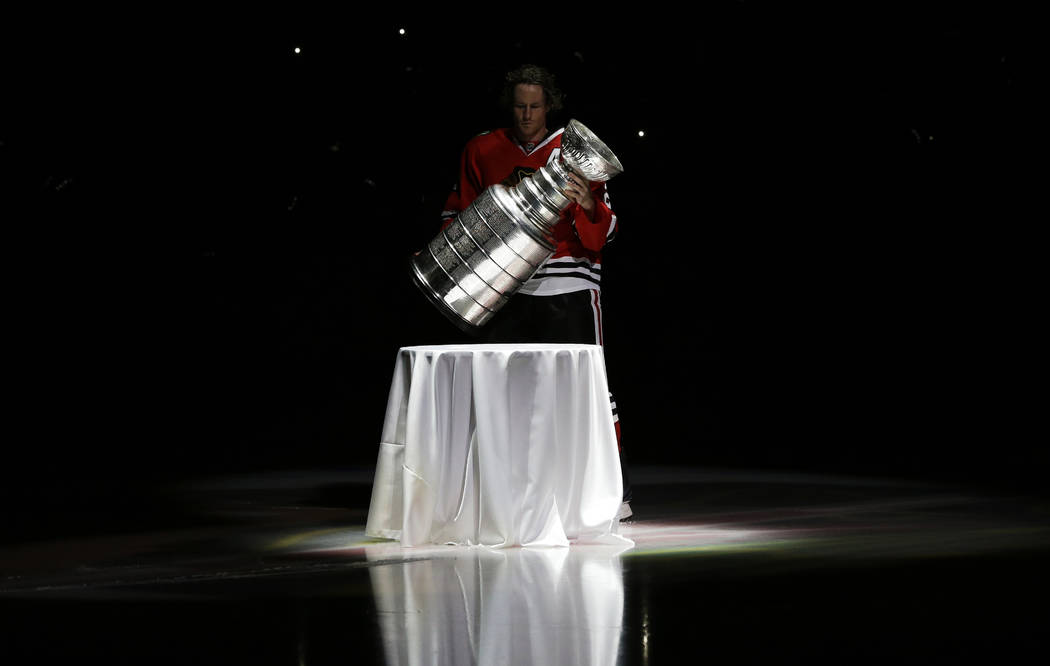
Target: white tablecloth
498,445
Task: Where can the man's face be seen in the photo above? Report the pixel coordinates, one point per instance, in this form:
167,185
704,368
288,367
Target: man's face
530,111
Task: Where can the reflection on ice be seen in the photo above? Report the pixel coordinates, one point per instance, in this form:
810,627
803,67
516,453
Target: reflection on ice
510,606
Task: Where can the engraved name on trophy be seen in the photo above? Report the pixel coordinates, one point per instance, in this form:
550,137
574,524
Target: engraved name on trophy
492,248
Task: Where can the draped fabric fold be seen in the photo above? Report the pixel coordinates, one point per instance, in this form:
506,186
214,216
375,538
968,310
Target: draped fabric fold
497,445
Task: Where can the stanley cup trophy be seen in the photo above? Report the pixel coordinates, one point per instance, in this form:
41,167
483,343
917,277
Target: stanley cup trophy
472,268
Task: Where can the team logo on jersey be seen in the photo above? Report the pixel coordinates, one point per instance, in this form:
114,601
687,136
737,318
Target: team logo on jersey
517,175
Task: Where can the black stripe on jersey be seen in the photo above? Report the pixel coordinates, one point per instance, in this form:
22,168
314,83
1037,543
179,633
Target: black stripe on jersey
557,263
585,276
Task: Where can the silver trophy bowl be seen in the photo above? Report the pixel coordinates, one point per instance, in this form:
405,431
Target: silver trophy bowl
472,268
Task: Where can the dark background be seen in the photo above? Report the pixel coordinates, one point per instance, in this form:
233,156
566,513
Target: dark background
824,264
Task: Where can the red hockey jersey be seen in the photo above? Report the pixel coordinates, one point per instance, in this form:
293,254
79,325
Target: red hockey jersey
498,157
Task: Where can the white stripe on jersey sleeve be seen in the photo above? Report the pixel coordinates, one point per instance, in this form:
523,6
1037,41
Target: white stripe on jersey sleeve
551,286
571,265
548,270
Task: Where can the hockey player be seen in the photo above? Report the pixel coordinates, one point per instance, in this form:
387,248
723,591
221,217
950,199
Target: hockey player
562,301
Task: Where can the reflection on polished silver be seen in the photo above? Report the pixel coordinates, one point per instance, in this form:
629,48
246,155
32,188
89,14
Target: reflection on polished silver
499,241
